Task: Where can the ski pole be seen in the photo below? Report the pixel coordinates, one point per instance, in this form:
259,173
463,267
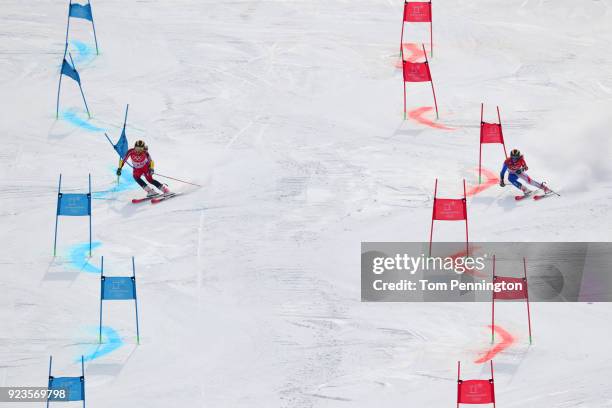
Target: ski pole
554,192
175,179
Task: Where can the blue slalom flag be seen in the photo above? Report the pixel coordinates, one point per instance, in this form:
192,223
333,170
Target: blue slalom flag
84,12
69,71
71,204
72,387
118,288
81,11
69,388
122,145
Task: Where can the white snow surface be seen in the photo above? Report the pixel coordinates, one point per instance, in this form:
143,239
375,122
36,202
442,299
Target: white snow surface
289,114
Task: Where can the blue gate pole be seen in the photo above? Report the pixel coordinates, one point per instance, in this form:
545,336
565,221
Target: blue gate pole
109,140
89,204
101,297
80,87
112,144
93,26
50,361
127,107
59,87
135,301
68,24
126,113
83,380
59,189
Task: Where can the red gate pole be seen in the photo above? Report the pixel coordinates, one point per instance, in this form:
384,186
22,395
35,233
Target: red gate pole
480,145
458,382
404,93
493,305
501,130
402,37
527,298
430,30
467,241
431,80
493,381
433,212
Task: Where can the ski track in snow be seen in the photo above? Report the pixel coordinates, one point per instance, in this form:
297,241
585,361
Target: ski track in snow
290,116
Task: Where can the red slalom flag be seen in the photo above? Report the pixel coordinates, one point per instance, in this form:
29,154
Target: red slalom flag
418,72
475,391
520,292
449,209
489,133
511,294
417,12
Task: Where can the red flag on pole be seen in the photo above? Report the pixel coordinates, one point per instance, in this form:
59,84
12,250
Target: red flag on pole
417,12
418,72
489,133
475,391
519,292
449,209
512,294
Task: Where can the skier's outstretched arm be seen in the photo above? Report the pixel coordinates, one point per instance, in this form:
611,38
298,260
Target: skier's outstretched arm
122,161
502,174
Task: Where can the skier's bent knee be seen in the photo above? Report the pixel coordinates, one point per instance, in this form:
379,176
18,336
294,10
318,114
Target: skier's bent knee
140,181
512,178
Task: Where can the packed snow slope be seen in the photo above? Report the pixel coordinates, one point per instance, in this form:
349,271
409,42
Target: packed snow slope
289,114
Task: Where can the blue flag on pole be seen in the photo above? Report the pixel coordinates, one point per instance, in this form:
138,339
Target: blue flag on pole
84,12
121,147
118,288
67,388
81,11
122,144
72,386
71,204
69,71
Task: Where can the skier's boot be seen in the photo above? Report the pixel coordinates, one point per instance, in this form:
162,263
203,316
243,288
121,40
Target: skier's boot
150,191
165,190
526,191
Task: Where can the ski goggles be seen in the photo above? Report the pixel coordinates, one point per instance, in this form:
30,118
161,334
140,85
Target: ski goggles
139,149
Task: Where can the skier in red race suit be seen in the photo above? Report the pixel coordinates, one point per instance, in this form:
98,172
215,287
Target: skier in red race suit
143,166
516,167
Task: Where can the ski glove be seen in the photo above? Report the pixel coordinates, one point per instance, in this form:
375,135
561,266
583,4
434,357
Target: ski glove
119,172
151,171
519,171
502,184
